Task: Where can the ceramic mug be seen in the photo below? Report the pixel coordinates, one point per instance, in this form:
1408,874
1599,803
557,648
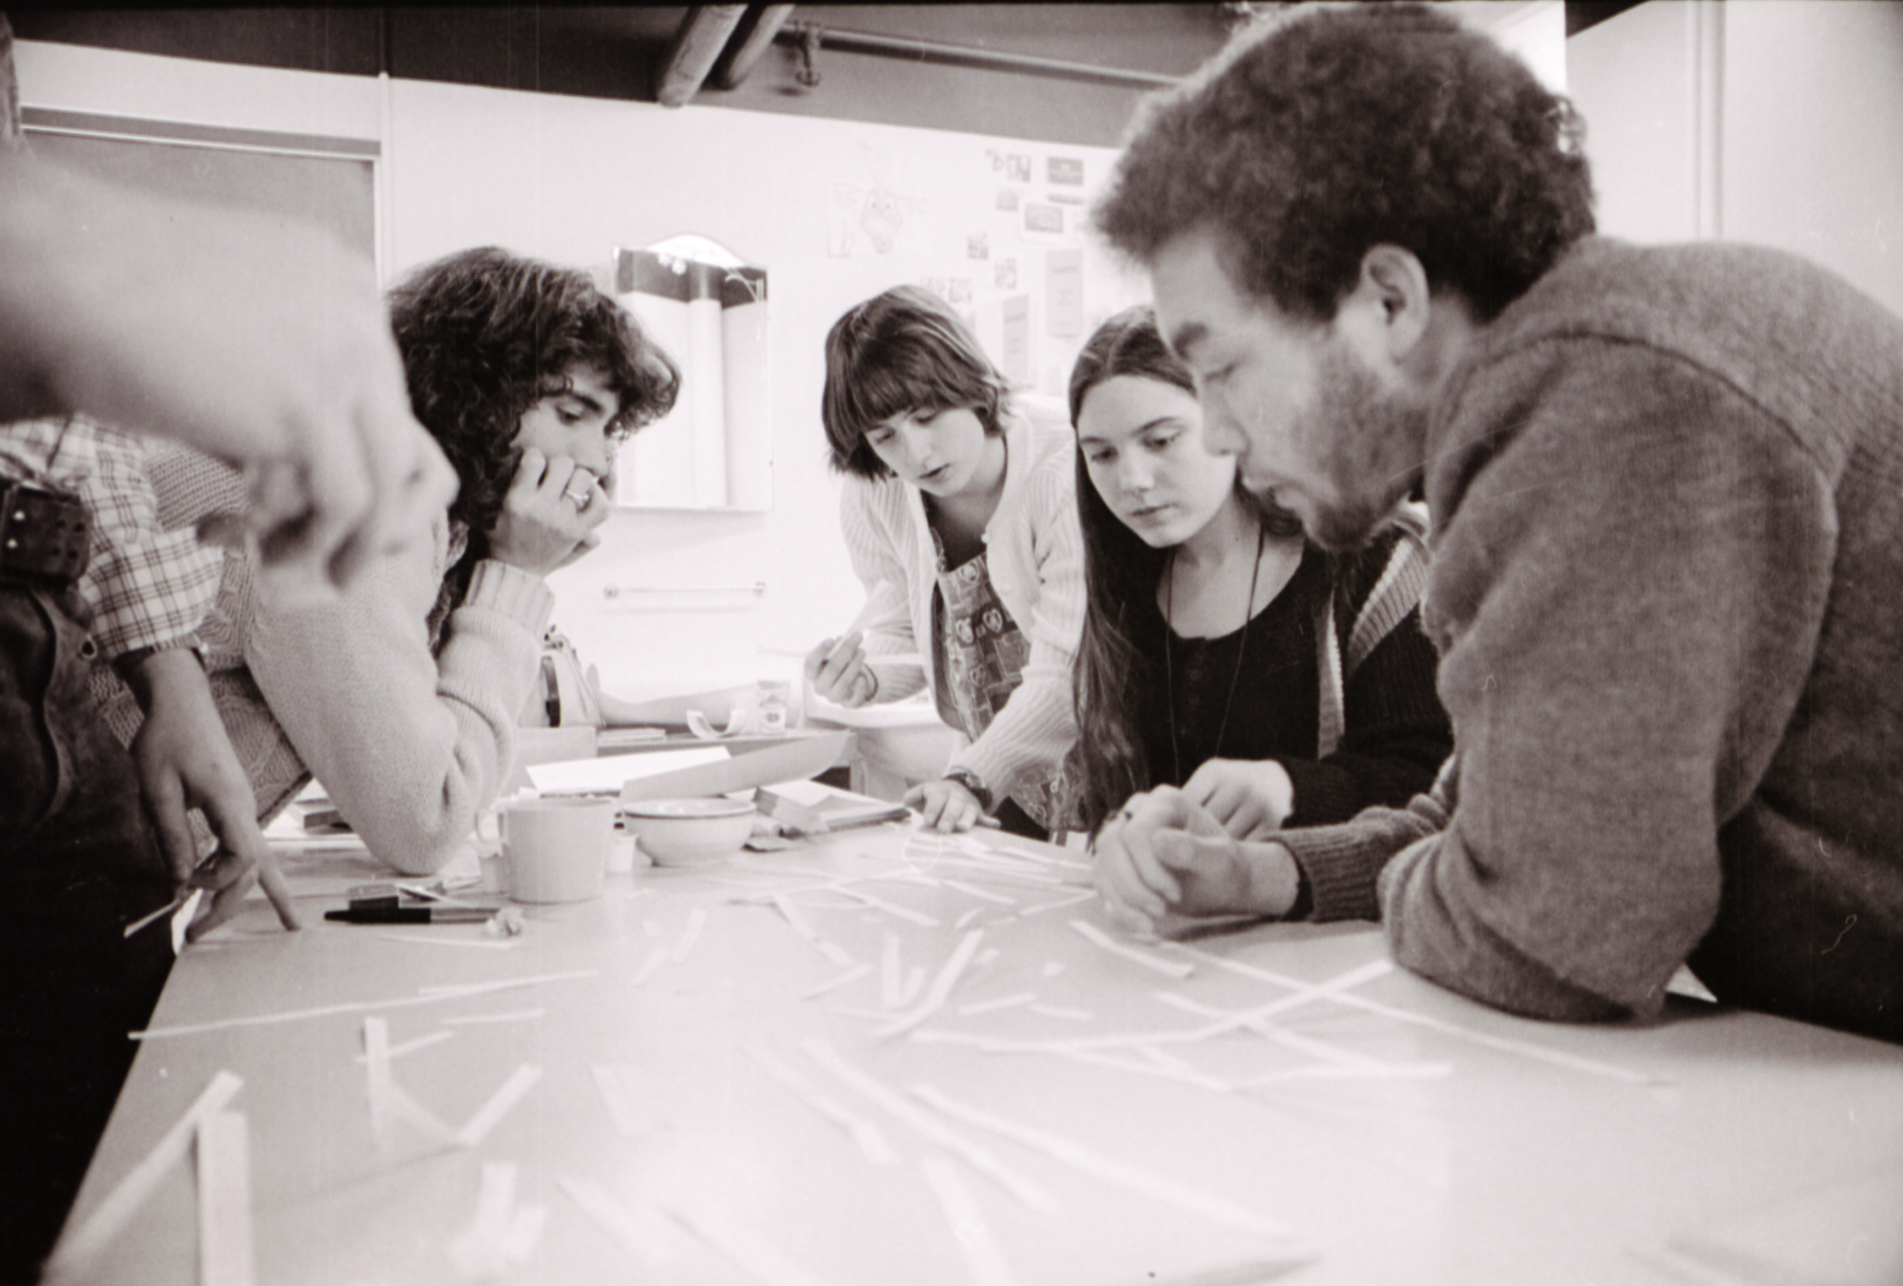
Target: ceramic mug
556,850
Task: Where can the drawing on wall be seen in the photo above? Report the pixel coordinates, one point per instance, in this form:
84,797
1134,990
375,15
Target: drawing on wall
1017,167
977,245
1004,274
869,212
1008,199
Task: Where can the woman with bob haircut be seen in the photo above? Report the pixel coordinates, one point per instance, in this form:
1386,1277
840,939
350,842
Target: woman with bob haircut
1277,684
402,695
960,517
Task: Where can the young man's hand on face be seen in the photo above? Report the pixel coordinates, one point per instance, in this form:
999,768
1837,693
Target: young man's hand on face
550,515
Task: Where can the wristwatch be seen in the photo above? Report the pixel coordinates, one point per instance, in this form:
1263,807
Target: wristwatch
972,782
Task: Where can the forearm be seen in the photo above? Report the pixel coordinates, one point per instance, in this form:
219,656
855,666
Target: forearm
411,747
1342,864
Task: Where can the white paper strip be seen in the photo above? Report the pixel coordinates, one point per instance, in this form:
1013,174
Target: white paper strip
491,1113
641,1235
1148,959
224,1201
871,1142
1072,899
507,984
411,1046
1060,1011
623,1093
973,1234
377,1079
696,923
972,890
891,908
941,985
1345,1072
426,996
1159,1187
442,941
651,966
112,1214
502,1233
1527,1049
931,1127
150,916
1002,1002
1290,1040
182,919
405,1108
804,928
507,1016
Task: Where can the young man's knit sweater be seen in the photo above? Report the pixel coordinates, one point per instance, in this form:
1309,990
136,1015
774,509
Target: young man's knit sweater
1667,588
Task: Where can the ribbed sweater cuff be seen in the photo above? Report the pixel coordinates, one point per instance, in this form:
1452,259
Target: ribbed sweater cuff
519,595
1336,866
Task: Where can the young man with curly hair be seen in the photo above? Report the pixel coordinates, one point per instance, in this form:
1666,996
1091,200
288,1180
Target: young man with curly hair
403,696
1667,535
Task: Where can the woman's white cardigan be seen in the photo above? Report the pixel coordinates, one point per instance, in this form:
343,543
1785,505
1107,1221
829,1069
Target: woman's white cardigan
1035,554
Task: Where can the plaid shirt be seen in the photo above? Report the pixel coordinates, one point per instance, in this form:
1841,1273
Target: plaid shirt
145,585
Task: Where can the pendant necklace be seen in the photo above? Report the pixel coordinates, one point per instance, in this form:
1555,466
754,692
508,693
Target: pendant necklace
1242,644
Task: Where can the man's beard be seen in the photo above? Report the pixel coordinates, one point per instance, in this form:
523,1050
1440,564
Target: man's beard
1367,442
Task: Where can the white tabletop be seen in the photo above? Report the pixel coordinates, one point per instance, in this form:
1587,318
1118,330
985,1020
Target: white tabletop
1383,1131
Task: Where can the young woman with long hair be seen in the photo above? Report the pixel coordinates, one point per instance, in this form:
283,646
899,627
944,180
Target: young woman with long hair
1277,684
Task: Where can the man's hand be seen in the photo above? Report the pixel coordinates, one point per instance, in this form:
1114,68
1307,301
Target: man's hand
549,515
838,670
1251,798
944,805
1163,854
262,342
185,760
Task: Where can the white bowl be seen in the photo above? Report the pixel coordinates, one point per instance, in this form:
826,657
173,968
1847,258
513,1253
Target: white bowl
689,832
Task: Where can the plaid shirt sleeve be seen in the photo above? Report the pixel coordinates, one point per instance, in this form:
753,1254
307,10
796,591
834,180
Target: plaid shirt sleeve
146,585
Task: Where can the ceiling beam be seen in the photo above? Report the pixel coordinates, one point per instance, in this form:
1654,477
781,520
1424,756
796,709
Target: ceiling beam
915,49
696,46
753,42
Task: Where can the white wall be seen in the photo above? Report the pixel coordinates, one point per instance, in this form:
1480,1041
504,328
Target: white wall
1813,137
568,179
1788,112
1634,80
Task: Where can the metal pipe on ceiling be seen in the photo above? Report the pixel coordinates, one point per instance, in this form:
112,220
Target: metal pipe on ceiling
937,51
697,45
767,22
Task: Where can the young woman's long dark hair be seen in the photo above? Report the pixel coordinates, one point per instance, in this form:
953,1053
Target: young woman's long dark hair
1106,764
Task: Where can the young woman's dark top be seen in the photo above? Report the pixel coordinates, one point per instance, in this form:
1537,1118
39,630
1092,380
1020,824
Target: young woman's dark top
1395,734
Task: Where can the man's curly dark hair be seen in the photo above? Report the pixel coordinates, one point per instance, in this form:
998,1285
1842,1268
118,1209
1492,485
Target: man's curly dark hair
1315,136
485,335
